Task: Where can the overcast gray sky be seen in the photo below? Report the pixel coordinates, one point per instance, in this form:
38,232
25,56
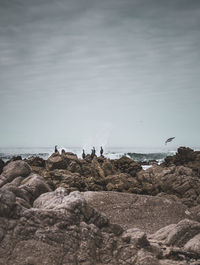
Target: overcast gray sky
115,72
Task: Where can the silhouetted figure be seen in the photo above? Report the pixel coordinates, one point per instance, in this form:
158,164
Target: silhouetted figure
101,151
93,153
83,154
56,150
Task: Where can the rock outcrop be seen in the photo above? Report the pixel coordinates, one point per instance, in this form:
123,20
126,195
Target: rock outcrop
14,169
127,165
177,182
63,229
66,227
181,241
147,213
187,157
172,182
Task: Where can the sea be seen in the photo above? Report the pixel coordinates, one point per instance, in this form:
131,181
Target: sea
136,153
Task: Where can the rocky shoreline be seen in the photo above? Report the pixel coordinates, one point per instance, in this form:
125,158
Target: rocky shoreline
66,210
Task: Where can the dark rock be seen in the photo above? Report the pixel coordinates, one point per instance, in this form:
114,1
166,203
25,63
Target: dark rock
2,164
14,158
127,165
35,161
185,156
108,168
56,161
7,203
136,237
64,178
123,183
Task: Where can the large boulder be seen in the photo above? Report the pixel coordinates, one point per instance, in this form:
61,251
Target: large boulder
147,213
7,203
185,156
122,182
33,186
108,168
35,161
56,161
178,234
127,165
14,170
193,245
175,180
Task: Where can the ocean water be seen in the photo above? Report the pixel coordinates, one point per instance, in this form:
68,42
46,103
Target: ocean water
135,153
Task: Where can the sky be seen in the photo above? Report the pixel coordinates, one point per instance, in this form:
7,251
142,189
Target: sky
90,72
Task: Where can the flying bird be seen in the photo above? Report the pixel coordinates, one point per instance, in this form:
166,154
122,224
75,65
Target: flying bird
169,140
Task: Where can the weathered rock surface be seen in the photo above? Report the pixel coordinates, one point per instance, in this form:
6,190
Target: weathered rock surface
127,165
147,213
187,157
63,229
35,161
181,241
178,181
66,227
123,175
14,169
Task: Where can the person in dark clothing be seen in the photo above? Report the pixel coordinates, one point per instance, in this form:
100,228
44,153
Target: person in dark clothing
56,150
101,151
83,154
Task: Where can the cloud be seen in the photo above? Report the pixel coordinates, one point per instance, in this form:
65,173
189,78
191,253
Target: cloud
107,59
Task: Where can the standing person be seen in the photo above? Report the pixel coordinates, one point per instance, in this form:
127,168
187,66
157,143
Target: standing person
83,154
101,151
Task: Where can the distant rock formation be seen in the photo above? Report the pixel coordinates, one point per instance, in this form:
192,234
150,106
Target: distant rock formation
185,156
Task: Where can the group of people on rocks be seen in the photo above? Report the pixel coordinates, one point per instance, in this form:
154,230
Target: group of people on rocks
93,152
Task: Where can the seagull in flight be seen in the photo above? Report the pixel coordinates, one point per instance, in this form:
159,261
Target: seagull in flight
169,140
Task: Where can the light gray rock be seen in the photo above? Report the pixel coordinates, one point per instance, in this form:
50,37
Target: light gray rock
193,245
177,234
148,213
13,170
33,186
135,237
